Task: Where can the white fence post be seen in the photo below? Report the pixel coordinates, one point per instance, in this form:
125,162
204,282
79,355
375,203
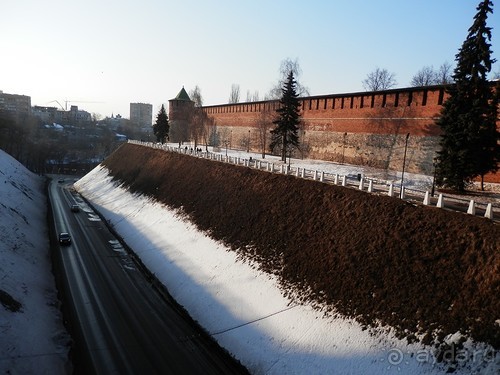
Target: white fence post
361,183
390,193
297,172
303,174
344,180
402,193
336,179
427,198
370,186
440,202
489,211
472,207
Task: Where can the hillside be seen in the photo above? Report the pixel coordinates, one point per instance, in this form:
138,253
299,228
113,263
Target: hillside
33,339
425,271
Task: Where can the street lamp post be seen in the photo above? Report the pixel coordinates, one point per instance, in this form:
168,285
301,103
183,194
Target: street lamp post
434,163
404,162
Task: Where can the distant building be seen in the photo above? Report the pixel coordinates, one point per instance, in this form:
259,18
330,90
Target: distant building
76,115
46,114
18,106
51,114
113,122
141,114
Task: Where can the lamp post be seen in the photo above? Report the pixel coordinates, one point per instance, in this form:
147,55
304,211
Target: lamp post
434,163
404,162
248,143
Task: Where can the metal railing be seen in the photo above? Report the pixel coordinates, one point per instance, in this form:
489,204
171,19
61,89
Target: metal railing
360,182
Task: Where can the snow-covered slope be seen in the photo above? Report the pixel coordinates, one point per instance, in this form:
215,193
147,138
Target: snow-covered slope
33,339
244,309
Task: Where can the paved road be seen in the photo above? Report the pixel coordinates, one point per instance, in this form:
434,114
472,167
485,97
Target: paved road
121,323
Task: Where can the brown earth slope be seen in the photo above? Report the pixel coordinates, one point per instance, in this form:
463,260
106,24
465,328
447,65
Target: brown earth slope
425,271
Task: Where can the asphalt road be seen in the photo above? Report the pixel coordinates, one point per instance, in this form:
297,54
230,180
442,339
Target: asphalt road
120,322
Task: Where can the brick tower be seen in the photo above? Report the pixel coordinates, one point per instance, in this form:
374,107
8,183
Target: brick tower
179,111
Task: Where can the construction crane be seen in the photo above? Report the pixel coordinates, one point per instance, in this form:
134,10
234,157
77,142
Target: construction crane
76,101
55,101
65,108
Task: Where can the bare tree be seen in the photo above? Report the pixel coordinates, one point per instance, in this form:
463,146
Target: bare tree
252,97
428,76
195,96
288,65
425,77
234,96
197,117
211,136
444,74
379,79
197,128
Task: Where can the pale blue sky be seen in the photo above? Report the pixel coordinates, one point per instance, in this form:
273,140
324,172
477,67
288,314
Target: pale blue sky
120,51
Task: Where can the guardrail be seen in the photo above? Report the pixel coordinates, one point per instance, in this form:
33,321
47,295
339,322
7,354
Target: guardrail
360,182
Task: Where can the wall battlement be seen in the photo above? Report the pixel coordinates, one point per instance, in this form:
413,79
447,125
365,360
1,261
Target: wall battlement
365,128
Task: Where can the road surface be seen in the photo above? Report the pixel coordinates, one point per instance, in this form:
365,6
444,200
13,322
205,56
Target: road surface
120,322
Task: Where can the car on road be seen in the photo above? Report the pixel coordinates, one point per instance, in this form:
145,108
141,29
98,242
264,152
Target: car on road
64,238
75,208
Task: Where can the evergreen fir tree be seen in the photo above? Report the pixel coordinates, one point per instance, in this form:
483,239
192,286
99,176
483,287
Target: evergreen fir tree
284,135
161,127
469,144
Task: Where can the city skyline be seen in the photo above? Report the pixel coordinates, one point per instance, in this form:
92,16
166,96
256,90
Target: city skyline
102,56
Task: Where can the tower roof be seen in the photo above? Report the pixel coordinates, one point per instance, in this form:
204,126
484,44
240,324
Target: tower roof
182,95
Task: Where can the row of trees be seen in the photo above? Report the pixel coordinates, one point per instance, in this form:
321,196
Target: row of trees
40,148
377,80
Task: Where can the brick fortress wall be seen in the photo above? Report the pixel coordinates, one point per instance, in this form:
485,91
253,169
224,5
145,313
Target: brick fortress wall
366,128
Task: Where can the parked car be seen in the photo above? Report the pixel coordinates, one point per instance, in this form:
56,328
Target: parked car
64,238
75,208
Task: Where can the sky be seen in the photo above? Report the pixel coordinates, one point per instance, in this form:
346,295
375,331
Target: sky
102,55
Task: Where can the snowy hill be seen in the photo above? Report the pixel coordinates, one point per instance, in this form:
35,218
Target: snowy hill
33,339
244,308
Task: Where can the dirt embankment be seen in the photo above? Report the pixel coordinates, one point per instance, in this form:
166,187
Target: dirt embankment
425,271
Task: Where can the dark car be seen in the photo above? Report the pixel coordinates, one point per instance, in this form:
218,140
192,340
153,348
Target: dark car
64,238
75,208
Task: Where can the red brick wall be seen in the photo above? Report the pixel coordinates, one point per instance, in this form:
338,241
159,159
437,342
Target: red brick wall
367,128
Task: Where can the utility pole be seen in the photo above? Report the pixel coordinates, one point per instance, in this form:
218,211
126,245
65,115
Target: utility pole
404,162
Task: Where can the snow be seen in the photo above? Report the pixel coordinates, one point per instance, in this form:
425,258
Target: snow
32,340
240,306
